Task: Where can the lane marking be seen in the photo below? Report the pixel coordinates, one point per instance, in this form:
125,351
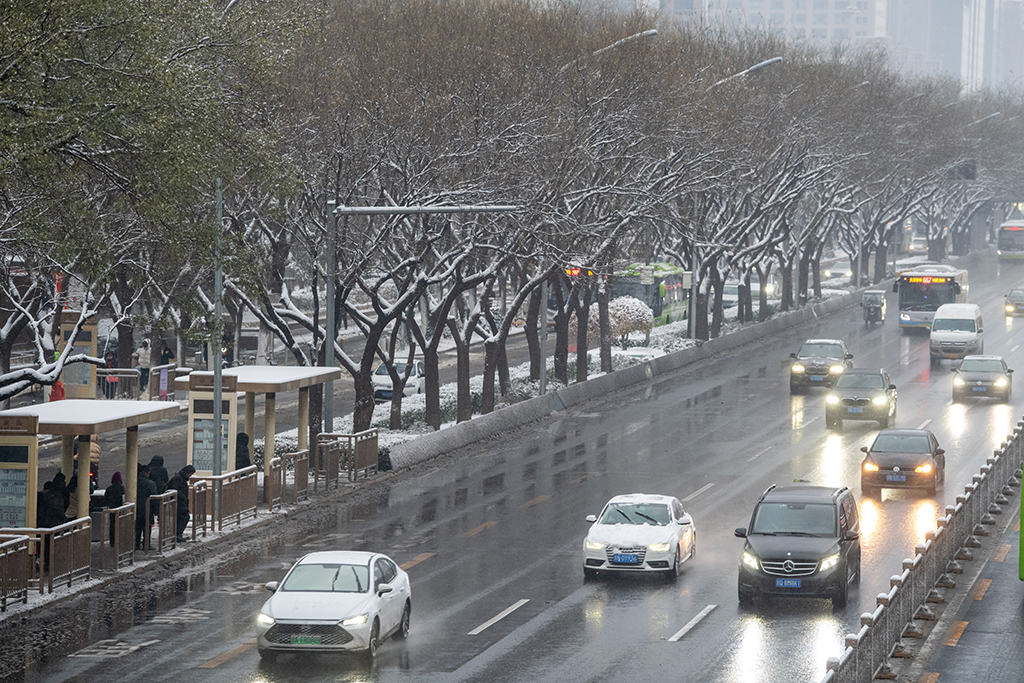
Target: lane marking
111,649
1015,347
1016,525
416,560
1000,555
810,421
983,586
949,403
696,493
474,532
693,622
230,654
929,678
761,452
955,633
498,617
531,503
924,424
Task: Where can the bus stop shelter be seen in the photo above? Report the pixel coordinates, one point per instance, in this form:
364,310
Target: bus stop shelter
272,380
87,419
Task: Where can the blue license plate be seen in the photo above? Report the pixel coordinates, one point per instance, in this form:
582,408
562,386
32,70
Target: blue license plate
977,388
895,477
787,583
855,410
624,558
815,378
385,394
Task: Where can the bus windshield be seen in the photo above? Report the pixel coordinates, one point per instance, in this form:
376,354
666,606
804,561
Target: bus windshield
918,296
1011,238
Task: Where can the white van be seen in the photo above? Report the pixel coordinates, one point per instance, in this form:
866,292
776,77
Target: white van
957,331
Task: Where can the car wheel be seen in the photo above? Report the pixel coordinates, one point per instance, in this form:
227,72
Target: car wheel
693,545
931,486
268,656
935,361
842,593
884,422
795,389
868,491
746,596
374,642
856,577
673,573
403,626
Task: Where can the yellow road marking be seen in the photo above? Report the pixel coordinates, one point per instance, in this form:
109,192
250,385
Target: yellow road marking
416,560
531,503
221,658
1001,553
955,632
929,678
1016,525
982,587
474,532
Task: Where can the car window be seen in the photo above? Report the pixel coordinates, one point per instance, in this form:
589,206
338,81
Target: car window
389,569
636,513
901,443
821,351
980,365
850,507
378,573
327,578
860,382
677,507
953,325
795,518
1017,291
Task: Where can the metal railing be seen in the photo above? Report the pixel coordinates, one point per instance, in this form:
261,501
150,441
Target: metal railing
274,483
358,452
117,383
16,564
69,551
327,465
121,523
913,592
166,520
153,392
238,495
298,462
198,493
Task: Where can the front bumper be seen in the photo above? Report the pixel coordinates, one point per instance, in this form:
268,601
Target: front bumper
951,351
817,585
293,636
646,560
812,379
872,411
887,479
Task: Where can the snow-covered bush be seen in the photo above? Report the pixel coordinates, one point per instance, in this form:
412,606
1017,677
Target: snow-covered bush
626,314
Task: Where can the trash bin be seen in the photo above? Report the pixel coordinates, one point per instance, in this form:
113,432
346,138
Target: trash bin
97,520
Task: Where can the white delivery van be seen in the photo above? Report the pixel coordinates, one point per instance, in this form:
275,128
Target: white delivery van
957,331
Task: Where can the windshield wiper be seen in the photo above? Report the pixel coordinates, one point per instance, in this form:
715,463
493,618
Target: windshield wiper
652,519
335,579
359,584
619,510
797,533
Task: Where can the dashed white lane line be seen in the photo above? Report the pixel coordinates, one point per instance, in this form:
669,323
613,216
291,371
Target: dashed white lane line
1015,347
498,617
696,493
924,424
693,622
757,455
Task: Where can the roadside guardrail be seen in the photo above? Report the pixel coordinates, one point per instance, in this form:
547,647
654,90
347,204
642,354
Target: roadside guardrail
16,568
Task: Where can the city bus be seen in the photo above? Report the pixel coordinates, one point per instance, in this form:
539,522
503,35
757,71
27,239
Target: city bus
1010,241
662,286
926,287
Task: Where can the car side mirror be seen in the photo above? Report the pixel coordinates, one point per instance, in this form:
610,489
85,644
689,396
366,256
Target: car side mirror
940,451
271,586
849,356
896,286
792,355
685,519
953,369
863,449
741,532
1009,371
852,535
591,518
892,387
384,588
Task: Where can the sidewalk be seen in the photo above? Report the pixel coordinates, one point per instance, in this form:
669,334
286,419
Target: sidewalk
980,636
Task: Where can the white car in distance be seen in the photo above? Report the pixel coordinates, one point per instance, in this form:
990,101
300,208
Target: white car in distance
382,385
335,601
639,532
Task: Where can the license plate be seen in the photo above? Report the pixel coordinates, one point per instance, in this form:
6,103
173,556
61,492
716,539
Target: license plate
815,378
385,394
895,477
305,640
624,558
854,410
787,583
977,388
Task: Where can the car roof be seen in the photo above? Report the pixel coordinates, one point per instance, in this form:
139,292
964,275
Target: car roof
982,357
642,498
904,432
824,341
961,309
801,493
863,371
338,557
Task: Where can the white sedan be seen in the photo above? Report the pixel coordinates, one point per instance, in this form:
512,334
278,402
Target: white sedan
383,387
335,601
639,533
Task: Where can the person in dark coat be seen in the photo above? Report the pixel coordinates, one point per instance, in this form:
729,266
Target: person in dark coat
113,495
179,482
60,485
49,513
145,489
242,451
158,473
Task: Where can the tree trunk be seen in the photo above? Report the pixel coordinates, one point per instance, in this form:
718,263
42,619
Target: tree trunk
582,319
316,412
532,330
605,325
490,366
464,406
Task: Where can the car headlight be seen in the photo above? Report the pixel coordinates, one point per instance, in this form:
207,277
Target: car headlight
832,398
879,400
594,545
958,381
870,467
658,547
849,273
923,469
836,369
265,619
797,367
829,562
1001,382
1010,308
905,317
750,560
355,621
828,274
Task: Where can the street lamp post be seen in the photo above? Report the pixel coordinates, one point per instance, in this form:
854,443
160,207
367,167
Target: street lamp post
329,336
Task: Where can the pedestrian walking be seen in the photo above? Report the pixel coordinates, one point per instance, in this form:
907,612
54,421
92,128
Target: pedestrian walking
144,490
113,495
179,482
71,510
61,487
242,451
57,393
145,363
158,473
166,355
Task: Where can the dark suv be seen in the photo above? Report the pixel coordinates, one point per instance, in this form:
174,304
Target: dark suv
818,363
803,541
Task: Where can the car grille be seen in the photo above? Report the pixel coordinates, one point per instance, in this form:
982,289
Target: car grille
952,344
330,634
640,552
856,401
789,567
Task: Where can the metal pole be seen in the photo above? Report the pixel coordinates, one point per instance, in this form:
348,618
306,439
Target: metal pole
694,275
332,246
543,337
218,294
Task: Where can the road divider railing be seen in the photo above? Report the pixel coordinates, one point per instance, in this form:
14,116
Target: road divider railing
117,383
161,382
237,492
165,508
274,483
914,592
327,464
198,493
358,452
16,561
63,551
298,463
120,521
